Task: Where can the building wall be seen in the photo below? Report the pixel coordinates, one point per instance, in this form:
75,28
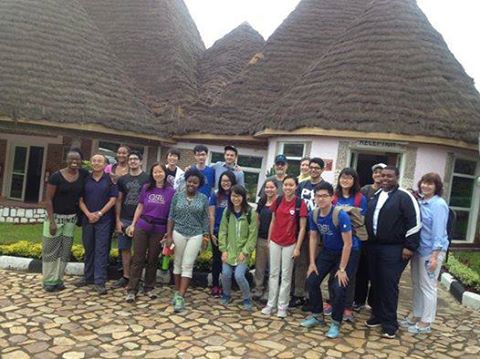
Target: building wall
430,159
3,160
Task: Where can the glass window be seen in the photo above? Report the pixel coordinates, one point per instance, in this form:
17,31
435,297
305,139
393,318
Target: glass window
462,192
217,157
250,161
19,160
293,149
294,153
465,167
251,184
461,225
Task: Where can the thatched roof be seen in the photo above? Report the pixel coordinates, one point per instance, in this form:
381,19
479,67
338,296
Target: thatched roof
160,46
225,59
56,66
302,38
390,72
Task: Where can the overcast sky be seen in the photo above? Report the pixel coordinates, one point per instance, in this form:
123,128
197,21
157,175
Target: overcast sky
456,20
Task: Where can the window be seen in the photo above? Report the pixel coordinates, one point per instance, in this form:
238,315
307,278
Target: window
462,195
109,149
251,166
294,151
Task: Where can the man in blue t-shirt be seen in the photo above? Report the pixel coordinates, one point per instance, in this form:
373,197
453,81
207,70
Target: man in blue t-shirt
200,152
334,227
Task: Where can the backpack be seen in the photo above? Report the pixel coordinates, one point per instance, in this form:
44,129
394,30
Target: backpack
452,218
356,218
249,215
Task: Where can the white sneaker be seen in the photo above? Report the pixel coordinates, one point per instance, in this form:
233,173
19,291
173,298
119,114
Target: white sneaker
282,311
268,310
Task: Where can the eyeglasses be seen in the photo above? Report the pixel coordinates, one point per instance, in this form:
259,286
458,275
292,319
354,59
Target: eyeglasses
322,196
315,168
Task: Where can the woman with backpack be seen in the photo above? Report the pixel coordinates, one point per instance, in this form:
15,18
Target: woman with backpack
261,252
217,205
236,238
427,260
348,196
285,236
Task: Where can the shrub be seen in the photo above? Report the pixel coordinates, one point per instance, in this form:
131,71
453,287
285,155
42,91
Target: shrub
463,273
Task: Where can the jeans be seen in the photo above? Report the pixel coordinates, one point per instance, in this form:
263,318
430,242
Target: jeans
240,270
362,293
96,240
216,264
386,267
349,295
328,261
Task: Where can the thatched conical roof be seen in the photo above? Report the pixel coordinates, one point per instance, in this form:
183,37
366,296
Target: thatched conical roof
302,38
225,59
160,46
56,66
391,72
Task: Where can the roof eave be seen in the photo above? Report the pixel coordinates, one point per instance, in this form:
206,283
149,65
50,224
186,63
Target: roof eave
317,131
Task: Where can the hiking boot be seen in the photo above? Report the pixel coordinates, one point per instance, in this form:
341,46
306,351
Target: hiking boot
49,288
312,321
334,330
130,298
282,311
100,289
121,283
179,305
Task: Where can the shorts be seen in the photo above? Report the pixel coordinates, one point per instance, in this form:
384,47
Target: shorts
124,242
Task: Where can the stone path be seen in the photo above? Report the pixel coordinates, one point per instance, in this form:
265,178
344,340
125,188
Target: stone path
77,323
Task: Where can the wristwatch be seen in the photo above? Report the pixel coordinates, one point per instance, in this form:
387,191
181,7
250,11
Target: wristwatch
100,213
341,270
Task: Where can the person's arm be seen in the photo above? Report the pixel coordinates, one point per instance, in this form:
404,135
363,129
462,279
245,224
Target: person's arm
211,218
270,227
240,178
252,235
439,225
51,189
301,232
222,236
108,206
411,215
92,217
347,248
118,211
136,217
206,217
313,245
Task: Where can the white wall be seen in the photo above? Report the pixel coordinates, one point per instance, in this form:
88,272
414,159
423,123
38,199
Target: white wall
430,159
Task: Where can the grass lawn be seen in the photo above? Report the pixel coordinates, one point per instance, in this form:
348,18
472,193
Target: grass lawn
11,233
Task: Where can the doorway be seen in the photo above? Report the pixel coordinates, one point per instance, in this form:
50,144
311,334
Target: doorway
26,173
363,162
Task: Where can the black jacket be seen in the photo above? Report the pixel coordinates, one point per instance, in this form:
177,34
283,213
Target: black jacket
398,221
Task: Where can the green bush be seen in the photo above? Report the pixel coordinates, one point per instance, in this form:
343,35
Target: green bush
463,273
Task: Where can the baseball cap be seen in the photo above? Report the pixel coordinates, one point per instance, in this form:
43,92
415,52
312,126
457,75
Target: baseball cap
378,165
230,148
280,159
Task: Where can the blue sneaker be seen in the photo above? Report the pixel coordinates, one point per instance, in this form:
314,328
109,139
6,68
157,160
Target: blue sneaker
334,330
312,321
247,304
225,300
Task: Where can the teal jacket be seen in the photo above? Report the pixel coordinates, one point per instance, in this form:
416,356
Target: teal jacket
237,236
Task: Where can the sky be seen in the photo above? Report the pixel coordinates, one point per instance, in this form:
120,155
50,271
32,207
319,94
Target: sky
456,20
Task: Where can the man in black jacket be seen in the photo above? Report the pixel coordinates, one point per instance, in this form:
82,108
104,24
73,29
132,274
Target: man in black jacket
393,225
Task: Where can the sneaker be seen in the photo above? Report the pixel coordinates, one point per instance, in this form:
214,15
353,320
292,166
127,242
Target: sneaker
216,292
151,294
296,302
268,310
59,287
130,298
334,330
327,309
82,282
388,335
121,283
406,322
49,288
357,307
247,304
100,289
225,300
372,322
348,315
312,321
179,304
415,329
282,311
174,298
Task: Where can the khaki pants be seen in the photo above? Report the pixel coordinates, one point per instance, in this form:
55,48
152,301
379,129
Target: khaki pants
300,269
261,264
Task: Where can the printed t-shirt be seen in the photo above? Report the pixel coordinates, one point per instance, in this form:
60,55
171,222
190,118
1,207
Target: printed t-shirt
305,191
284,232
220,205
171,176
331,235
131,186
156,206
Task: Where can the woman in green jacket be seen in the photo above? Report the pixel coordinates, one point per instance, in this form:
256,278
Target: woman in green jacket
237,238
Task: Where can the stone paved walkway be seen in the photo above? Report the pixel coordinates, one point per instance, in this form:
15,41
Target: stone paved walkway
76,323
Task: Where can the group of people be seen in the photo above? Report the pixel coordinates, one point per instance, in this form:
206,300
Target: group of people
302,230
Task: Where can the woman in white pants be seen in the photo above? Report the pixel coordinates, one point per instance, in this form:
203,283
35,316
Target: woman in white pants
427,260
187,227
285,236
